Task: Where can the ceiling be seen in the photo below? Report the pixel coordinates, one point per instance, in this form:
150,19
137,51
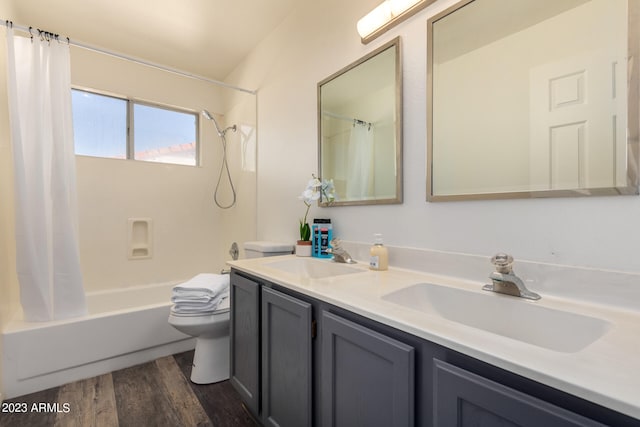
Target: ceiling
205,37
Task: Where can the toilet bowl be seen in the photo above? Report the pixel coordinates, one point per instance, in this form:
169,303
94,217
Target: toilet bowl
211,330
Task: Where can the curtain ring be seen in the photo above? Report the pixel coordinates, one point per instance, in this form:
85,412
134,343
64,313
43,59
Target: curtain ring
30,33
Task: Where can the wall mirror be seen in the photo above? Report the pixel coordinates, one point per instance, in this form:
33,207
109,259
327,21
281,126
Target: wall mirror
360,129
532,98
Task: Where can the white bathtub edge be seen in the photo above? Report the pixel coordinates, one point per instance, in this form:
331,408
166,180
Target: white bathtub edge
126,327
14,387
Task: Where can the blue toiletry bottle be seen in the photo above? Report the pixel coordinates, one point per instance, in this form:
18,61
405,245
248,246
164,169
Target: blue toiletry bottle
321,232
315,240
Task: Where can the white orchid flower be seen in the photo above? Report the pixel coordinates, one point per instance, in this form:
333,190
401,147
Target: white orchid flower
314,190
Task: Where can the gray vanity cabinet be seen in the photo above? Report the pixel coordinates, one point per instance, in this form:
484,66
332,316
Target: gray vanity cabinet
361,372
286,360
244,335
464,399
367,377
270,344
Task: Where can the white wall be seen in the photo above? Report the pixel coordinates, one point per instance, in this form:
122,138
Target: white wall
319,39
190,234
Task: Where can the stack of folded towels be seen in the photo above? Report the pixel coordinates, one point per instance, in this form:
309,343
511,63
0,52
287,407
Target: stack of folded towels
201,294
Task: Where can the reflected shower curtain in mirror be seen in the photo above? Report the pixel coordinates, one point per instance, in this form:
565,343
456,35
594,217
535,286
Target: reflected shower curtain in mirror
360,155
47,255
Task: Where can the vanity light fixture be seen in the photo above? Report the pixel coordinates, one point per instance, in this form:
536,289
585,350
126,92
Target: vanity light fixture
387,15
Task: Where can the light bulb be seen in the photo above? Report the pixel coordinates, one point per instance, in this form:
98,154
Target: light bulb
374,19
398,7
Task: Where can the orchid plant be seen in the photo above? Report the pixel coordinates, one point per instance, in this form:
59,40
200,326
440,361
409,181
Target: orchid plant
313,192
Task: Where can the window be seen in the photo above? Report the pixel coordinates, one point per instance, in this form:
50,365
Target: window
99,125
106,126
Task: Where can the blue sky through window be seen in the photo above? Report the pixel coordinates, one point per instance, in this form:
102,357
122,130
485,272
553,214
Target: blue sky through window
160,134
99,125
157,127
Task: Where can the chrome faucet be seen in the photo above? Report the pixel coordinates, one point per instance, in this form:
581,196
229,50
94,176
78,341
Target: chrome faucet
339,253
505,280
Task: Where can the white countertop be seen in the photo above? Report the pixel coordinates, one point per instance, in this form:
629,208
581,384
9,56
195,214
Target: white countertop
606,372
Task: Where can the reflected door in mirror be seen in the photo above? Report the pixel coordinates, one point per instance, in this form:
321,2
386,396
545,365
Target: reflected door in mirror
531,99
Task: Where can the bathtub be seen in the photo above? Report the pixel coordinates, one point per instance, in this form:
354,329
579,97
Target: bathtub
124,327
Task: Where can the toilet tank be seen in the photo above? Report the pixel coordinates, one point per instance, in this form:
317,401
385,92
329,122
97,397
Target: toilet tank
262,248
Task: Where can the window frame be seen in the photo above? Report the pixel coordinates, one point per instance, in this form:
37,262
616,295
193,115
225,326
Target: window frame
131,102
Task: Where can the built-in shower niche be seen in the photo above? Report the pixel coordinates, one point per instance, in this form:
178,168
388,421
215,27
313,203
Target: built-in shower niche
140,238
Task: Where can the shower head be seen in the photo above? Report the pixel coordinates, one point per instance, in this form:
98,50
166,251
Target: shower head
207,115
221,133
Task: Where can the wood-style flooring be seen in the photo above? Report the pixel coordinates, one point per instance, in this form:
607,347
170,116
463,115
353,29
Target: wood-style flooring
157,393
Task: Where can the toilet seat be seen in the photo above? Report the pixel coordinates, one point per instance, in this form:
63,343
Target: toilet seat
223,307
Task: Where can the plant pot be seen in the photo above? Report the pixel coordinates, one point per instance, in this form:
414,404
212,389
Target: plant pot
303,248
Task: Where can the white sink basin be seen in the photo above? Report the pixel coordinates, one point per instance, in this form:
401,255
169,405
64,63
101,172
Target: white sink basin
313,268
504,315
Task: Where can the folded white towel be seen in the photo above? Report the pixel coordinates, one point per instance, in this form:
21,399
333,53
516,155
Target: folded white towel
203,287
189,307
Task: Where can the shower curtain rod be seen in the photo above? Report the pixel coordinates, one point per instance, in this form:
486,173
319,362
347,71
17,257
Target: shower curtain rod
86,46
349,119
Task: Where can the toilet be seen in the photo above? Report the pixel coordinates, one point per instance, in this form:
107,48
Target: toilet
211,330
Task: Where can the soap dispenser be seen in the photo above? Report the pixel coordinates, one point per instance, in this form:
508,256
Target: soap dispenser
379,255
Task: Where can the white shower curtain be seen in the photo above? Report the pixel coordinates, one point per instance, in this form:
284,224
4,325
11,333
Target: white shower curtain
47,257
360,155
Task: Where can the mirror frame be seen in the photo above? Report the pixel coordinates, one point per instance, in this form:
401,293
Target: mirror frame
633,121
395,43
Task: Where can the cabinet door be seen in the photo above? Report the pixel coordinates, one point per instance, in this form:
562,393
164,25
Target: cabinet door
245,340
367,377
286,360
462,398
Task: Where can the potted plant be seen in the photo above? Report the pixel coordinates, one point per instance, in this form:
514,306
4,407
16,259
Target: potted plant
312,193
